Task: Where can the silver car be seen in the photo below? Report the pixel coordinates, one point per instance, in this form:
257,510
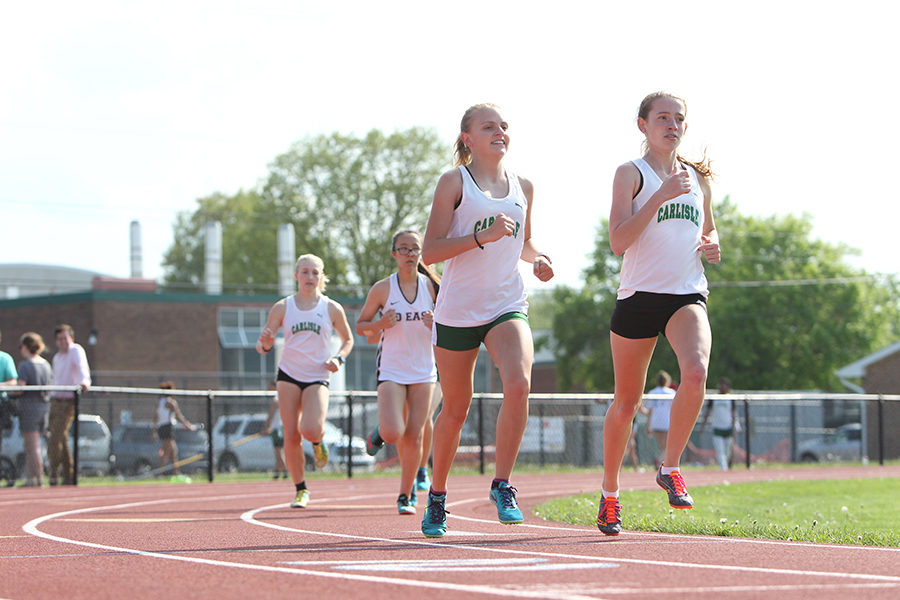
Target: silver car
843,444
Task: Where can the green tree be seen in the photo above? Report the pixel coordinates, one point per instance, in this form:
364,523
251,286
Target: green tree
345,196
786,311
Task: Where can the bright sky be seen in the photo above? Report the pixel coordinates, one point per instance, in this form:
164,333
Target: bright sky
121,110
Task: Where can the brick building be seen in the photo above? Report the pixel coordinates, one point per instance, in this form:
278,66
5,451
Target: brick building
878,373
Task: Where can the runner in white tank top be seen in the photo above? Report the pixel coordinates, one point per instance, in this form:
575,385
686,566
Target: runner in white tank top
308,319
480,223
406,370
486,282
661,219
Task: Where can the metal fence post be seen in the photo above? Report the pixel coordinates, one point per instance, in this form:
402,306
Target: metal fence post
747,430
793,432
880,430
75,433
349,447
209,438
541,434
480,407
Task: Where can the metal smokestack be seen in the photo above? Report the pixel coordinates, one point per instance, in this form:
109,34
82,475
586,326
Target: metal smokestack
214,258
286,258
137,254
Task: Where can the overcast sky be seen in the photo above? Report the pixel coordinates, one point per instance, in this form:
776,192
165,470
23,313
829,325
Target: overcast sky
119,111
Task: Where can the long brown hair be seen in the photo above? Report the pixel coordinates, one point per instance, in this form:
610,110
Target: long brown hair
703,165
421,267
462,155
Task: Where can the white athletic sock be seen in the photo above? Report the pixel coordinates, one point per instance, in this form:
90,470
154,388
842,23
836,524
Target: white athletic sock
606,494
668,470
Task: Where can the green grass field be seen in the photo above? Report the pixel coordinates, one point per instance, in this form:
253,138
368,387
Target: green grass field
857,511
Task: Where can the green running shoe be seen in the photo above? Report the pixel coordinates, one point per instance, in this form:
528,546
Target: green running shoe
301,500
504,497
320,454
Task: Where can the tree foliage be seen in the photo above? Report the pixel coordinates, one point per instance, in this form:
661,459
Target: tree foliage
786,310
346,196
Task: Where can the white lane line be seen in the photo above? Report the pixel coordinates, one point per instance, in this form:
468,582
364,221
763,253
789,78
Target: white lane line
250,517
32,528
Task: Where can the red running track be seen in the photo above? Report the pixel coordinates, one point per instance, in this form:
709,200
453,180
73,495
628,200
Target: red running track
241,540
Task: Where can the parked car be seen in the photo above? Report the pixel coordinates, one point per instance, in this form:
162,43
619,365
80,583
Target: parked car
844,443
94,443
135,452
240,445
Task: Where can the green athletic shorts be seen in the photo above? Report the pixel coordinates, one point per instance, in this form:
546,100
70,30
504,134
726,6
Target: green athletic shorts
469,338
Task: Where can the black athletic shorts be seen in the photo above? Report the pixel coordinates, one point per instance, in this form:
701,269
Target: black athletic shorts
165,432
282,376
645,314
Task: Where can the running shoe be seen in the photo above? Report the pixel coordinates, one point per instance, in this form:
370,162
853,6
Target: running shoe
609,520
301,500
373,443
434,523
673,483
504,497
413,499
404,507
423,483
320,454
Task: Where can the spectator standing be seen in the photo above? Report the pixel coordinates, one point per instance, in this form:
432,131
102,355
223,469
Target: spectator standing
274,429
34,407
724,422
70,367
659,410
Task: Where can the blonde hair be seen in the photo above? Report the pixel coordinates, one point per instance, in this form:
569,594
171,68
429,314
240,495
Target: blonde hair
702,166
462,155
323,278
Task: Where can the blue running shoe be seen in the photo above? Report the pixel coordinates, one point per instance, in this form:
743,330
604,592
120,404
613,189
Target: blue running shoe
404,507
434,523
423,483
413,499
373,443
504,498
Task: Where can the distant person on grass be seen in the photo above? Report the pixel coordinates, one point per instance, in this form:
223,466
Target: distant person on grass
308,319
661,219
725,424
168,415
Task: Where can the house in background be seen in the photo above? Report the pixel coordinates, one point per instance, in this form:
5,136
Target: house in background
878,373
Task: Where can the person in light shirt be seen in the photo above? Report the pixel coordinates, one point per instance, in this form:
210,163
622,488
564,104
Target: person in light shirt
70,367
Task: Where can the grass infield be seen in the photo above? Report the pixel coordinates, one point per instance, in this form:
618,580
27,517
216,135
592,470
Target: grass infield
858,511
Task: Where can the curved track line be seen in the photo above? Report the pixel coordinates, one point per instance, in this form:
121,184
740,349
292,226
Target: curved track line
31,528
250,517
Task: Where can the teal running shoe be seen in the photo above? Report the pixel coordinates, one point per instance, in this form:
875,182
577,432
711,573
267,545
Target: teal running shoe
413,499
434,523
423,483
404,507
504,498
373,443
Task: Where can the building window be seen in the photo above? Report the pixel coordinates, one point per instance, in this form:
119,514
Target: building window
241,366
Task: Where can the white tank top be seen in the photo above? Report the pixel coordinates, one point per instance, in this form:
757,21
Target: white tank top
307,341
664,258
164,416
480,285
405,354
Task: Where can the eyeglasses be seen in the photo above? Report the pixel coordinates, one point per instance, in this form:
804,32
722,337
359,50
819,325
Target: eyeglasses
404,251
